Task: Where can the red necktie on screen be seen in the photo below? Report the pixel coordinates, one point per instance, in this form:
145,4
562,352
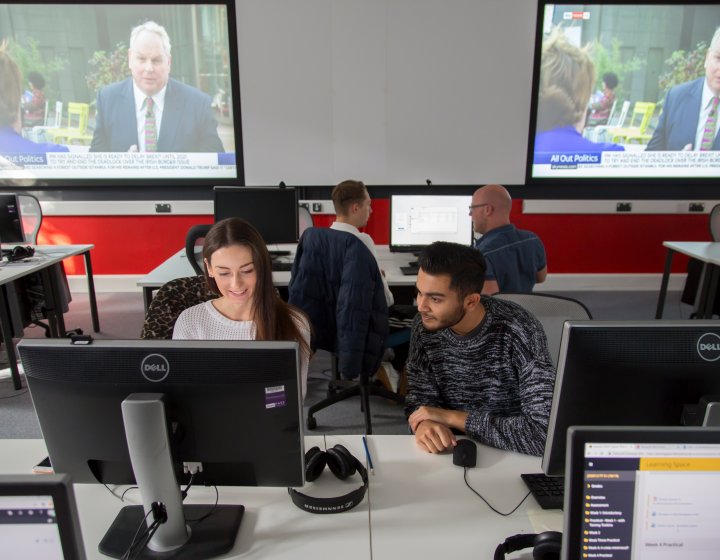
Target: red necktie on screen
150,128
708,136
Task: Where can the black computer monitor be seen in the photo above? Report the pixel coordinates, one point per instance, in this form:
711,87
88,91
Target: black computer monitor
419,220
272,210
233,408
38,518
631,373
11,230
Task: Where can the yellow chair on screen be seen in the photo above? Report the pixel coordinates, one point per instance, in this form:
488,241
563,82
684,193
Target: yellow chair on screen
642,112
76,129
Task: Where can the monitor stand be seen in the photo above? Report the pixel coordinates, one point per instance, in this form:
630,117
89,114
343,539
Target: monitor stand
191,531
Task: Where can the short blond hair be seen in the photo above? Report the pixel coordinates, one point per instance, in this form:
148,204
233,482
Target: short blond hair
151,27
10,87
567,75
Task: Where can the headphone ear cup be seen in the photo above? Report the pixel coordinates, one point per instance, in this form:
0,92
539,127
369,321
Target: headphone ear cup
340,461
547,546
315,461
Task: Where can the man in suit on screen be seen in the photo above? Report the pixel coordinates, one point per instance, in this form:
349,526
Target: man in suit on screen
689,117
151,112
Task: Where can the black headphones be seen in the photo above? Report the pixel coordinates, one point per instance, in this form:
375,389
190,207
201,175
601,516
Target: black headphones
20,252
546,546
343,464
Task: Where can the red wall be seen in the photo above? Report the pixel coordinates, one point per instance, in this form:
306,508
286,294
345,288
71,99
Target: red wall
575,243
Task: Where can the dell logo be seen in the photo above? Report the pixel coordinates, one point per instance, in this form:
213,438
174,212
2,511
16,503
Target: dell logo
155,368
708,347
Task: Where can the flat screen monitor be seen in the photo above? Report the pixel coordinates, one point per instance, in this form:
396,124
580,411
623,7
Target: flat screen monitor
231,413
642,493
419,220
272,210
11,230
38,518
616,104
87,121
631,373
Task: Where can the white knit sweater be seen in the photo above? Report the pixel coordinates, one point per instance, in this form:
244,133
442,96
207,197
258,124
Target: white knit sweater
204,322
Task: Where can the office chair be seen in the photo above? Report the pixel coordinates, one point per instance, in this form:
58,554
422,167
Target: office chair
194,237
552,311
171,299
696,268
336,281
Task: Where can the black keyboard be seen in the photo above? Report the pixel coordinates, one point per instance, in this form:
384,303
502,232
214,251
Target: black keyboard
409,270
547,490
281,266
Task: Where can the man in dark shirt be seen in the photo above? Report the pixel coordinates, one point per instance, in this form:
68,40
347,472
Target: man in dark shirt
478,365
515,258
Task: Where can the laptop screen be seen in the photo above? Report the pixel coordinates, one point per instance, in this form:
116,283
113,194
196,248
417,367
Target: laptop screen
29,528
654,498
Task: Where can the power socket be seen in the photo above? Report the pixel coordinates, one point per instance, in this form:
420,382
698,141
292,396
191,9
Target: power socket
696,207
317,207
623,207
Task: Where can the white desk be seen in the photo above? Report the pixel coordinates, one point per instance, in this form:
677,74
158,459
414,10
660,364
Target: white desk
45,257
417,506
272,527
177,266
709,254
421,508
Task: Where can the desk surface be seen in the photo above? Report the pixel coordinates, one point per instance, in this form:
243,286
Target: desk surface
704,251
177,266
417,506
45,255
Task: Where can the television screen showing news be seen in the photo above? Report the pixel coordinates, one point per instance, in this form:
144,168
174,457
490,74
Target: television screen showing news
626,91
118,91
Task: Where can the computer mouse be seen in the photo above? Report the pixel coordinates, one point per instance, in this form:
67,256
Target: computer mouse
465,453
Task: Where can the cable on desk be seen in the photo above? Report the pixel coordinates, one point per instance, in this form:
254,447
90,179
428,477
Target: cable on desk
488,503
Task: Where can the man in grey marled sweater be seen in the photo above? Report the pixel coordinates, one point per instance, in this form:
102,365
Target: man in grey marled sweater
477,364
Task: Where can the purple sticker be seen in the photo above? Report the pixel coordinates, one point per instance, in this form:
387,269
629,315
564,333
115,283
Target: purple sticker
275,396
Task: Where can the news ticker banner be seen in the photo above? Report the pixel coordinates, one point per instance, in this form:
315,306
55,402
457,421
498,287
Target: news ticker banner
120,165
626,164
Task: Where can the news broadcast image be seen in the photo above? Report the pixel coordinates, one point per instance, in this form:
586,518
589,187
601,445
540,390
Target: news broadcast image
627,91
117,91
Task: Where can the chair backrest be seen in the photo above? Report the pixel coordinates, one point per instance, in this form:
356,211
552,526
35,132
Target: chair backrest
31,213
78,114
715,223
623,114
46,114
195,237
336,281
171,299
552,312
304,219
641,115
57,123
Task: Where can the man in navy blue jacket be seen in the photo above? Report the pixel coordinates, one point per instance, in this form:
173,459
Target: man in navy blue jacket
181,116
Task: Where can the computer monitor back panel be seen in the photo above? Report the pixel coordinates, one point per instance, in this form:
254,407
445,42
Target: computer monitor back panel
11,230
233,406
272,210
634,373
419,220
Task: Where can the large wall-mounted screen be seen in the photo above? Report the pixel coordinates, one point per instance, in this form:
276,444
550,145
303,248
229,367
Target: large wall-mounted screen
107,92
625,91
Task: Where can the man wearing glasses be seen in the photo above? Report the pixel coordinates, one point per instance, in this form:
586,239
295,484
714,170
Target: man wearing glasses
515,258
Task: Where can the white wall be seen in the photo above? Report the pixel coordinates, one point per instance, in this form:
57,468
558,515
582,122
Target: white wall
387,91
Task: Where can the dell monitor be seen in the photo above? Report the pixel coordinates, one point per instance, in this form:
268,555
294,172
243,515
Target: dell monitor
272,210
419,220
230,412
631,373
